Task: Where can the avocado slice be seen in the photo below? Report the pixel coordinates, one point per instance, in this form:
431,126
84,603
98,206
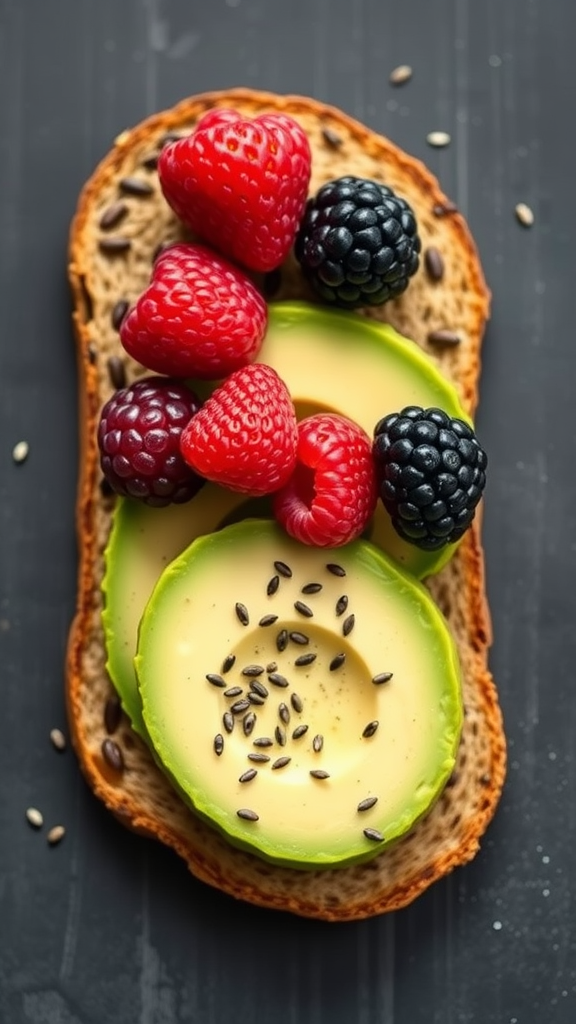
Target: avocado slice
331,361
352,745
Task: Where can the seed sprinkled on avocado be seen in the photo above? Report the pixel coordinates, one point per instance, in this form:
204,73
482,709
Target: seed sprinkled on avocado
283,569
233,691
218,743
303,609
319,773
296,702
268,620
247,814
281,762
336,570
258,758
284,713
311,588
280,736
348,625
299,638
248,775
228,663
317,743
382,677
277,680
282,640
271,666
341,604
370,729
253,670
272,585
215,679
228,721
256,698
240,706
299,731
263,741
259,688
305,659
374,835
367,803
248,723
337,661
242,613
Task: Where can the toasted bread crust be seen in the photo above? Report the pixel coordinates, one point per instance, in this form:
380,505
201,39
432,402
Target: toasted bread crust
140,796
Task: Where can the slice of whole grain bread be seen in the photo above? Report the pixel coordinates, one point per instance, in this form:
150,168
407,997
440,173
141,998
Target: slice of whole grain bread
111,252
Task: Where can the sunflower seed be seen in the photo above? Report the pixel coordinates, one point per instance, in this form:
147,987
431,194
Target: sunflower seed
296,702
113,755
337,662
258,758
303,609
246,814
242,613
341,605
443,337
367,803
438,139
112,714
434,263
263,741
299,638
233,691
283,569
370,729
311,588
58,739
348,625
112,216
284,713
248,723
403,73
382,677
253,670
319,773
150,162
135,187
118,313
524,215
317,743
228,721
248,775
299,731
228,663
335,569
34,817
277,680
272,585
56,834
114,246
331,138
268,620
218,743
215,679
280,736
281,762
305,659
374,834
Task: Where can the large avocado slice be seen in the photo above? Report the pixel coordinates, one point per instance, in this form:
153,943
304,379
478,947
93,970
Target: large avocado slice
393,739
330,361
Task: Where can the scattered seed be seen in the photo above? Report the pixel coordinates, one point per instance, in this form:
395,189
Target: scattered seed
441,209
403,73
299,638
256,698
317,743
299,731
524,215
242,613
34,817
271,666
253,670
58,739
268,620
150,162
112,714
283,569
247,814
281,762
215,679
284,713
258,687
367,803
218,743
113,755
168,138
348,625
233,691
118,313
56,834
311,588
248,723
258,758
280,735
443,337
247,776
228,663
20,452
341,605
305,659
382,677
277,680
263,741
331,138
337,662
370,729
271,283
319,773
374,834
228,721
240,706
303,609
135,187
282,640
112,216
438,139
272,585
114,246
434,263
335,569
116,371
296,702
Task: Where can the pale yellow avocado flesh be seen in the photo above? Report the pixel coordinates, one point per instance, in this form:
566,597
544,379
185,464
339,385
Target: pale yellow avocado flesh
191,625
330,361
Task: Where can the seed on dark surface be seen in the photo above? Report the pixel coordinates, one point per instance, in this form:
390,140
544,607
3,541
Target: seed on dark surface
112,714
34,817
438,139
303,609
305,659
135,187
55,834
20,452
247,815
242,613
253,670
268,620
228,721
112,216
281,762
258,758
240,706
58,739
299,638
441,209
296,702
434,263
382,677
263,741
331,138
114,246
400,75
258,687
280,735
374,834
282,640
118,313
367,803
337,662
233,691
311,588
319,773
348,625
112,755
284,713
228,662
116,371
283,569
341,605
248,723
443,337
215,679
256,698
272,585
271,666
317,743
299,731
168,138
335,569
150,162
247,776
524,215
370,729
271,283
218,743
277,680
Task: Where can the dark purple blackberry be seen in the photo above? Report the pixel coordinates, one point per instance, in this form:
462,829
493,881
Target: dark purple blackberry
139,441
431,474
358,243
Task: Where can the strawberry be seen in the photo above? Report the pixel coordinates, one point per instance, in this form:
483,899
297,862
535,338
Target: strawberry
245,435
240,184
331,495
199,317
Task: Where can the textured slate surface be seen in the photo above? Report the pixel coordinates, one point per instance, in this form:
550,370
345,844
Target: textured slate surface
107,927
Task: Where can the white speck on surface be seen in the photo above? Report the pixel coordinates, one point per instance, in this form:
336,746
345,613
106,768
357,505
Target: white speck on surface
438,139
20,451
34,817
403,73
497,926
56,834
58,739
524,215
545,892
552,755
494,60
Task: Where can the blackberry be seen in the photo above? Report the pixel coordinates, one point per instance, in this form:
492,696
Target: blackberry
358,243
431,474
139,441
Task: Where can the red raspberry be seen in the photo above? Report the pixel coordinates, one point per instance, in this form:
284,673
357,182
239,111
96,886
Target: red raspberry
332,494
240,184
245,435
199,317
139,441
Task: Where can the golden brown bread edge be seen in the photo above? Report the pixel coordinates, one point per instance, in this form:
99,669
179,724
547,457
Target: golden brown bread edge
139,795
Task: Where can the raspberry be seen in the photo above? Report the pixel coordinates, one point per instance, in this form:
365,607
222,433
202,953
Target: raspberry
431,474
139,441
199,317
358,243
245,435
240,184
331,496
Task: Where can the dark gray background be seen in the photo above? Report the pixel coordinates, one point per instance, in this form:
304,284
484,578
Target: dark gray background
108,928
